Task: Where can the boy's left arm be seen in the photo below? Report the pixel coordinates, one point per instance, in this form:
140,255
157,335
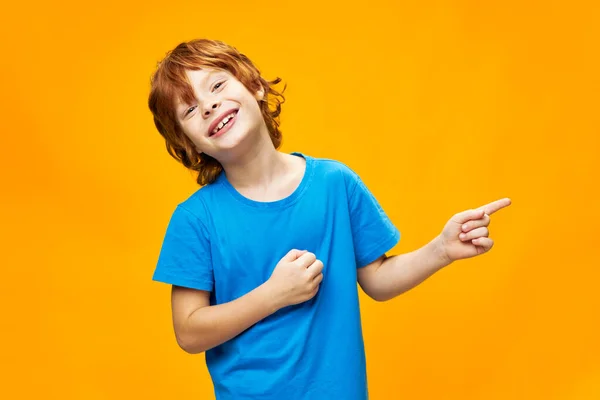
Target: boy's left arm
465,235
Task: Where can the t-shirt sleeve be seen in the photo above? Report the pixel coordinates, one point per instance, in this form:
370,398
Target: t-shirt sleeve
185,258
373,232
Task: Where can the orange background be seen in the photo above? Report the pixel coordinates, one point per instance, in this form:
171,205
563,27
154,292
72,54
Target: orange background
440,106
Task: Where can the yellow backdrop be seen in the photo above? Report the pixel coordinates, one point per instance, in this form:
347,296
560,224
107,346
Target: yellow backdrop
440,106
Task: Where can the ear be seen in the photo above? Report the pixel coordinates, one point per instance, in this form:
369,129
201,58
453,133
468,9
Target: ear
260,94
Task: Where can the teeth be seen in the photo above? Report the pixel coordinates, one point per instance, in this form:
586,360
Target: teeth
223,122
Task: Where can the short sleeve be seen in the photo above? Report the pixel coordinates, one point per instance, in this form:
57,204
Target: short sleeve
185,258
373,232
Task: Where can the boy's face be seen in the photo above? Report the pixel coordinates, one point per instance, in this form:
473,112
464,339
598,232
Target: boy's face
220,97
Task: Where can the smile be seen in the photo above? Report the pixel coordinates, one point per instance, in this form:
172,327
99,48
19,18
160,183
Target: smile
224,125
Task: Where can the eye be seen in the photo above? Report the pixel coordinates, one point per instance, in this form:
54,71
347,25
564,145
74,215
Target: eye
218,85
189,110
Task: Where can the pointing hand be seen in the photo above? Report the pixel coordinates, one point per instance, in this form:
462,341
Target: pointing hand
466,234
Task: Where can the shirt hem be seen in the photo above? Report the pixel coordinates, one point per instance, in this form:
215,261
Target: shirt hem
177,281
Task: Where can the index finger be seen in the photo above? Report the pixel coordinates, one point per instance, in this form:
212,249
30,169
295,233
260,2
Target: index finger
494,206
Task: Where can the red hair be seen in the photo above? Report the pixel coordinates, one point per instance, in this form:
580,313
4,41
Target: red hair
170,84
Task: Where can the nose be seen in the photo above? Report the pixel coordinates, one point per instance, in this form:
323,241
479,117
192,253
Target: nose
209,106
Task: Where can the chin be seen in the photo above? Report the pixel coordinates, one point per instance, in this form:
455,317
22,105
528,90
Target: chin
232,146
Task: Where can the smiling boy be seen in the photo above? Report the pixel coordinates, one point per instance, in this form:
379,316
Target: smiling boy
265,257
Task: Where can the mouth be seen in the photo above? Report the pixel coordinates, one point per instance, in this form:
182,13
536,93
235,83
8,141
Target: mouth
223,123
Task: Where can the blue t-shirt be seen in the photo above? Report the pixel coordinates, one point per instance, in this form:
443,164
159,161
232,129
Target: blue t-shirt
220,241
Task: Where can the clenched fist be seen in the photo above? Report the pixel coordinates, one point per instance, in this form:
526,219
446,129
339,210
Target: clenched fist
296,278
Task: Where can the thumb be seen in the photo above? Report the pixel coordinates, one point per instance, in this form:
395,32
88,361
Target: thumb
468,215
293,254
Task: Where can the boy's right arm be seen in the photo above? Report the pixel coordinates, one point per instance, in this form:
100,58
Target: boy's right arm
200,326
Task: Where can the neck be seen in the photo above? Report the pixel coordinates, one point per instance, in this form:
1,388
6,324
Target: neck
257,167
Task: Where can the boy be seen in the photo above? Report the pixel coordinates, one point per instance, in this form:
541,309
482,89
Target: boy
264,258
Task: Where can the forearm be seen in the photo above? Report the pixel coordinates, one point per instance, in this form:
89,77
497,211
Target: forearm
400,273
211,326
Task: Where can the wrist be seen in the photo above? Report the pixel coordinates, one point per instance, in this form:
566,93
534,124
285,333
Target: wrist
273,299
439,251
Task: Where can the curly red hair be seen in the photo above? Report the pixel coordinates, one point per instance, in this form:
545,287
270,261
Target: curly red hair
170,84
